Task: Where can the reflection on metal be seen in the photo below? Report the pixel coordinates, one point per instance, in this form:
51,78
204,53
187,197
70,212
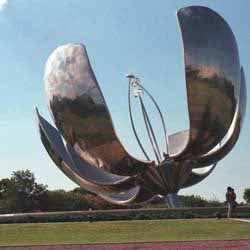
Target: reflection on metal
230,139
212,75
198,175
84,144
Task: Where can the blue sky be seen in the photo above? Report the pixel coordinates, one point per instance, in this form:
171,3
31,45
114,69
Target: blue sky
121,36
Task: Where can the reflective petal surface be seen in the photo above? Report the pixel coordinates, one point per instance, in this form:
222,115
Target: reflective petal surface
177,142
122,197
212,76
196,177
61,160
80,112
232,136
93,174
55,148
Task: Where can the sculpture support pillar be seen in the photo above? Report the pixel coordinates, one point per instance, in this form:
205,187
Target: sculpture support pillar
173,200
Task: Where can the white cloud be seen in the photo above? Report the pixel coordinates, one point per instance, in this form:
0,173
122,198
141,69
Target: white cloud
3,4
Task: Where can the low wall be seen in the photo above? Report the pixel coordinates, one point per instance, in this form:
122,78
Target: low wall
123,214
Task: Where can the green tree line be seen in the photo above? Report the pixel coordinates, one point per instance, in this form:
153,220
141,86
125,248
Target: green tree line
21,193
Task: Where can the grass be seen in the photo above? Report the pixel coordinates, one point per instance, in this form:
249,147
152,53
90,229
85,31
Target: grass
123,231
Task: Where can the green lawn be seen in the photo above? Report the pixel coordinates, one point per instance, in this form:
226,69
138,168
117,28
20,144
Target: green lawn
122,231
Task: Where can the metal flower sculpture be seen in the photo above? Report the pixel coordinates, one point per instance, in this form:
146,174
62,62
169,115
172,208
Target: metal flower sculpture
85,145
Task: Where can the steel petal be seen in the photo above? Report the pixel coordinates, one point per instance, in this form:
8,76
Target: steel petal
122,198
94,174
228,142
81,114
198,175
177,142
54,145
212,76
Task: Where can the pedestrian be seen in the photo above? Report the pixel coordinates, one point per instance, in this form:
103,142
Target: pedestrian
234,199
231,201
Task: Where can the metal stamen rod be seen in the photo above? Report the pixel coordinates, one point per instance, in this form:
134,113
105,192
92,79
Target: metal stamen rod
150,137
132,121
150,131
161,116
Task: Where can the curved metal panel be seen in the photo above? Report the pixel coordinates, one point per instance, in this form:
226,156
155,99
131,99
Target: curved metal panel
228,142
177,142
93,174
53,144
107,193
243,96
64,167
122,198
197,176
212,77
203,171
144,195
81,114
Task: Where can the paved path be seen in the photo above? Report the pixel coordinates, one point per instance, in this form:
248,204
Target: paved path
244,220
195,245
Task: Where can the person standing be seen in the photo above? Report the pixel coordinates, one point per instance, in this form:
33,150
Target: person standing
231,201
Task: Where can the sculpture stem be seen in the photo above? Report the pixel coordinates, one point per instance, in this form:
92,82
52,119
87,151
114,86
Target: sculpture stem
173,200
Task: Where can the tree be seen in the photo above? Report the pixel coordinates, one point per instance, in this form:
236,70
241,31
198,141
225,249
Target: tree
193,201
7,204
198,201
21,192
80,191
246,195
5,187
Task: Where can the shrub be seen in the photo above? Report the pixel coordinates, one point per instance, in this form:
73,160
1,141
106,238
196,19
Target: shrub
246,195
60,200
